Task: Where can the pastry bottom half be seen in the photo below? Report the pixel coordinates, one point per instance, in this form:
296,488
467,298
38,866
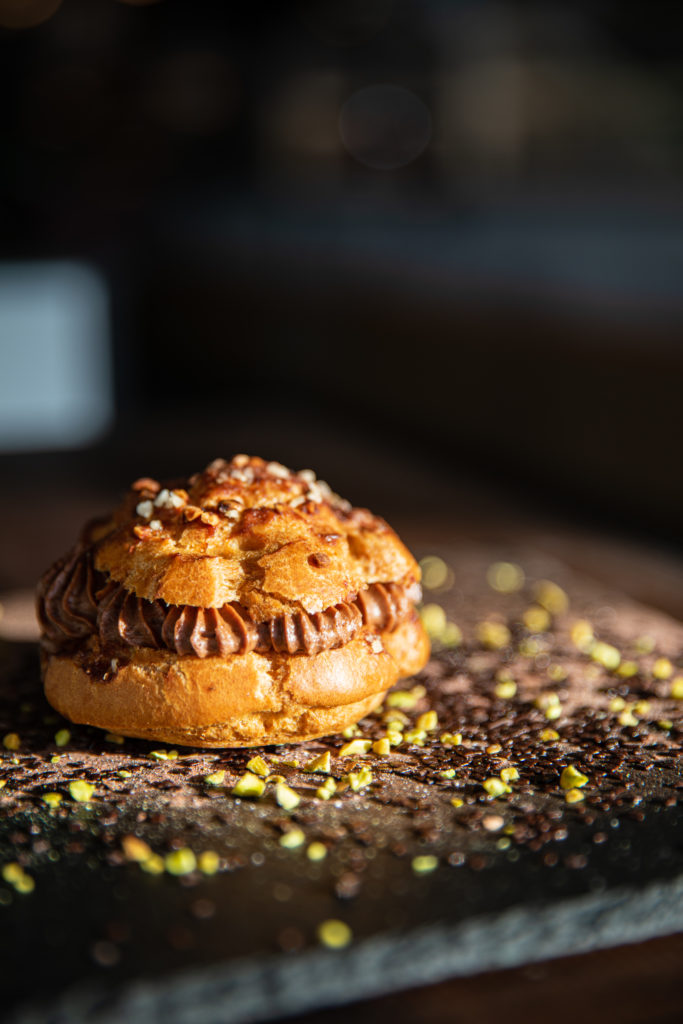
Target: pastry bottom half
242,700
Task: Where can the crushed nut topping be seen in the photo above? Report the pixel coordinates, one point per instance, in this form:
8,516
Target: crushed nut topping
145,509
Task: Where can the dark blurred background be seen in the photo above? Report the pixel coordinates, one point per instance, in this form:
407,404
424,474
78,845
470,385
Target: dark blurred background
433,248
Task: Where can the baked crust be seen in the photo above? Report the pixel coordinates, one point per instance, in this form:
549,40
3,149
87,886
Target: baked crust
251,532
244,700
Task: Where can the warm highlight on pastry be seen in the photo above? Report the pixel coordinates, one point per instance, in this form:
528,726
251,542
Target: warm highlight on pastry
248,605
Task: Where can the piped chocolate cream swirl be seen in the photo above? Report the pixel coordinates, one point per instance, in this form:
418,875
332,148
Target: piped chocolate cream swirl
76,601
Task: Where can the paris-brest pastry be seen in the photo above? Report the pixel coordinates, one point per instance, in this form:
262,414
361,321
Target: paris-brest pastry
248,605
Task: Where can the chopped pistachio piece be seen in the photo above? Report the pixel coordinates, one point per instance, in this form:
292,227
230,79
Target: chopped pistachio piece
355,747
359,780
180,862
424,863
553,713
549,735
509,774
627,669
495,787
433,619
124,773
606,655
546,700
494,748
154,865
429,721
416,736
677,688
52,799
551,597
350,731
286,797
493,635
81,791
292,839
249,785
450,739
208,862
215,778
328,789
457,801
582,635
617,704
536,619
321,763
258,766
662,668
573,796
404,700
62,737
136,849
11,741
382,747
627,718
395,738
506,689
447,773
572,778
316,851
334,934
505,577
642,707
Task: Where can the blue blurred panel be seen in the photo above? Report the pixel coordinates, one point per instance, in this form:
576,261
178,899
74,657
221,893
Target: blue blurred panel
55,356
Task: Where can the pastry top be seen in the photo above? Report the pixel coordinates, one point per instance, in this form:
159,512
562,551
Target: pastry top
247,531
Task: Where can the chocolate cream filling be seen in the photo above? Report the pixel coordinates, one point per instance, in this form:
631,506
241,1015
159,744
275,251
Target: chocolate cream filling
76,601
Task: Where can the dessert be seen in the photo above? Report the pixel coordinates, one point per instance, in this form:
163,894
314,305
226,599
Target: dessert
249,605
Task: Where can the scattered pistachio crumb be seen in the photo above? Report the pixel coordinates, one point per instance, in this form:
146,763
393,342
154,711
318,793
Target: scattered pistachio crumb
286,797
154,865
136,849
582,635
606,655
495,787
617,704
451,739
355,747
509,774
677,688
334,934
360,779
447,773
321,763
424,863
316,851
163,755
493,635
415,736
549,735
350,731
573,796
328,789
554,712
551,597
258,766
208,862
180,862
536,619
642,707
249,785
457,801
434,620
81,791
665,723
506,689
52,799
215,778
428,721
662,668
123,773
547,699
572,778
627,669
494,748
627,718
292,839
3,783
62,737
15,875
404,700
11,741
505,577
382,747
395,738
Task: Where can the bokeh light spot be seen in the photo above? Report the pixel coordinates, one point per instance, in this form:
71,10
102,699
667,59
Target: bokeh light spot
385,126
